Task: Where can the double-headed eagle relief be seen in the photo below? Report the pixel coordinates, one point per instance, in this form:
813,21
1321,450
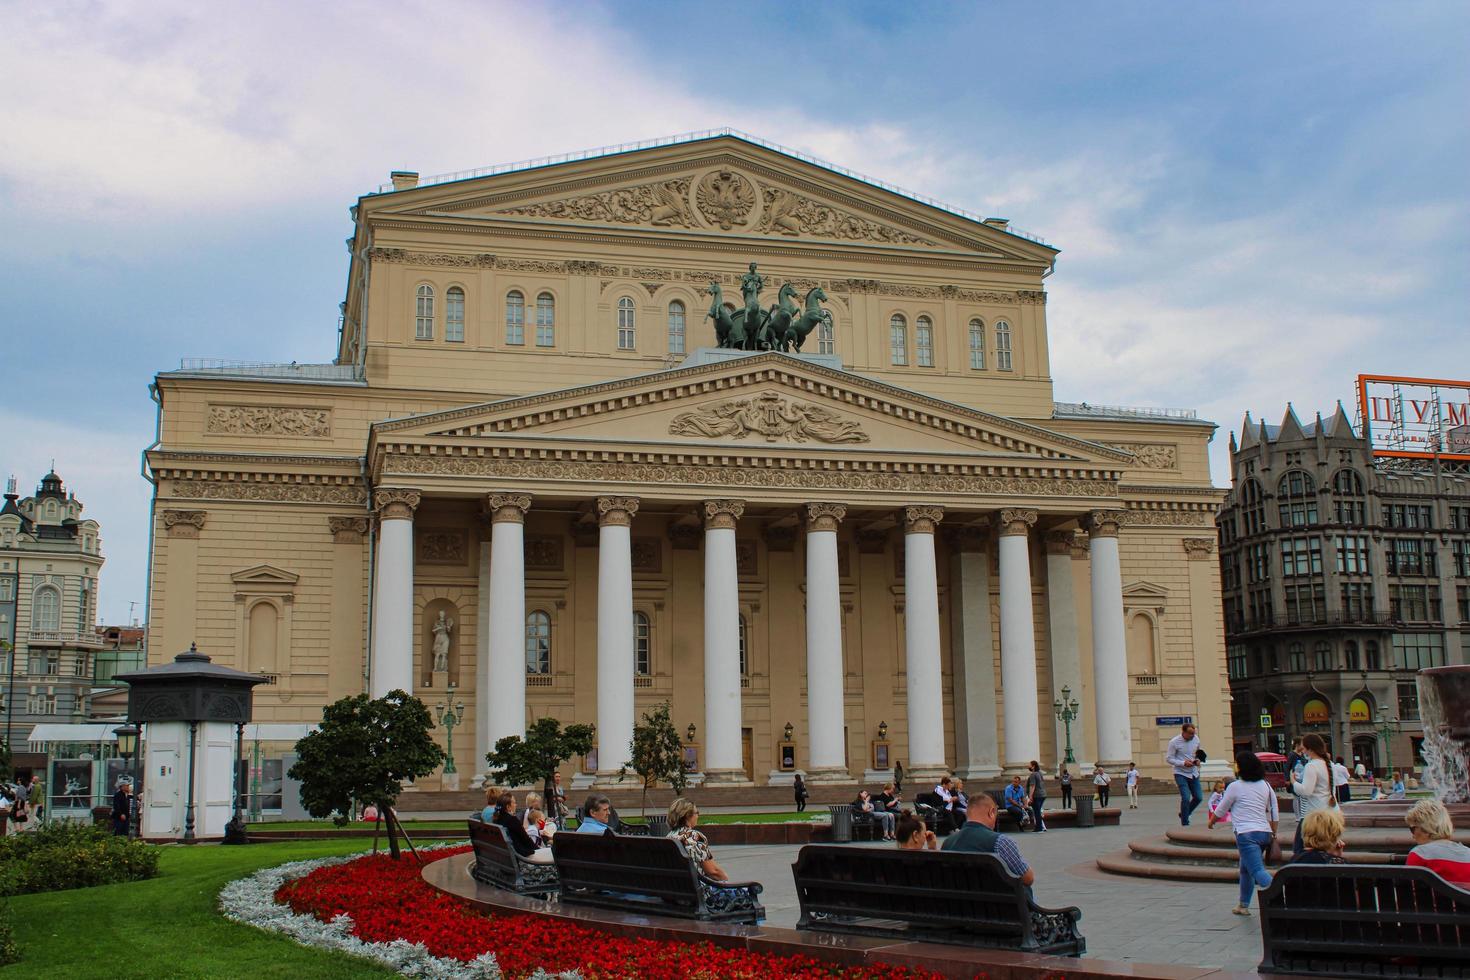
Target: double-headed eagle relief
783,327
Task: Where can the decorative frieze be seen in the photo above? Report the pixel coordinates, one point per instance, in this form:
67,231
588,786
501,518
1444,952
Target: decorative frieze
768,415
722,513
663,203
785,212
508,507
1188,515
268,420
395,504
823,516
348,530
922,519
1152,455
1105,523
1199,549
617,511
1017,521
442,546
286,491
183,523
450,260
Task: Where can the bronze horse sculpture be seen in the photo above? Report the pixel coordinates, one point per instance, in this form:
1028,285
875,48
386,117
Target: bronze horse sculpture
784,327
813,315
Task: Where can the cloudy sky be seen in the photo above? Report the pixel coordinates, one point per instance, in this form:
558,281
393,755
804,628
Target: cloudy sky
1254,202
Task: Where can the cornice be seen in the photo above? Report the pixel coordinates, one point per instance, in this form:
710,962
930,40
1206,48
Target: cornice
771,366
1172,490
175,458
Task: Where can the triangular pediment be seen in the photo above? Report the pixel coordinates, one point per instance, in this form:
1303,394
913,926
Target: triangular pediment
1145,592
265,575
721,186
768,402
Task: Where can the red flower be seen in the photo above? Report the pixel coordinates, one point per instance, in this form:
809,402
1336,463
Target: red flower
388,900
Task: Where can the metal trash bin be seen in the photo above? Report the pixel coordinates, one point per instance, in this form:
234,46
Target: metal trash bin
841,824
1084,811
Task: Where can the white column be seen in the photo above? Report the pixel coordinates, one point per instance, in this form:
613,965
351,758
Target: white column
614,635
483,741
1018,641
1109,643
1066,664
921,643
723,759
824,670
507,626
392,660
972,649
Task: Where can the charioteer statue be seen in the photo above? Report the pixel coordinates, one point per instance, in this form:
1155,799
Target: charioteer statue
783,327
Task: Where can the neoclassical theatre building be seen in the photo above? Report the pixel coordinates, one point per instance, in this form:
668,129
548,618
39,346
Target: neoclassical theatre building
706,422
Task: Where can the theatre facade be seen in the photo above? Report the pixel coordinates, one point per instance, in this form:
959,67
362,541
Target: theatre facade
706,423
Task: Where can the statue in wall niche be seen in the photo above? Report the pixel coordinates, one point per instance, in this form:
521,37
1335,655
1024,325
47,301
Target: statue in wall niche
442,629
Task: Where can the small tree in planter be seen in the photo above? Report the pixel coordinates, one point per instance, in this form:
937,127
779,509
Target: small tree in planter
361,753
656,754
525,761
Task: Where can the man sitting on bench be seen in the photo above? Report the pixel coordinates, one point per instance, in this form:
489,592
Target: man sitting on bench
979,836
1015,796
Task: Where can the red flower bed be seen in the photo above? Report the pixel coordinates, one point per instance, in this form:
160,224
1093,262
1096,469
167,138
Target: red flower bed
388,900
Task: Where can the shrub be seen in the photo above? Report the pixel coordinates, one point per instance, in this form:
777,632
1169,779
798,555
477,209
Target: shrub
9,951
67,855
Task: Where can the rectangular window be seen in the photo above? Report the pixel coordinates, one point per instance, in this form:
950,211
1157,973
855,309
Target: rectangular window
1415,651
1460,547
826,338
1410,556
1462,594
1301,556
1408,701
1414,603
1460,518
1357,601
1411,516
1352,555
1296,657
7,588
1349,511
1305,603
1299,513
1235,661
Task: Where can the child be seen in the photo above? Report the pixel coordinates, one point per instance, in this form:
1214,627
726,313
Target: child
1217,794
538,828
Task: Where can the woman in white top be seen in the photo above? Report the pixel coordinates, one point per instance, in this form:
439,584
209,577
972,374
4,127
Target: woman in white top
1250,803
1315,789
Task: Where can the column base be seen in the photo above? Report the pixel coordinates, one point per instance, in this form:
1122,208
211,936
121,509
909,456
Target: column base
828,774
449,781
610,780
925,774
1121,765
784,777
879,776
978,771
1021,769
583,780
726,777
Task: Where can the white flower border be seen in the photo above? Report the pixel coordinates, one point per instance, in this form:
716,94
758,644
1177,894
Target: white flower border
251,901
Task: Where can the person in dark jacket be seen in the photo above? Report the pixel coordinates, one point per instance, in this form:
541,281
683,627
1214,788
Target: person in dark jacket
122,810
799,792
1036,796
515,829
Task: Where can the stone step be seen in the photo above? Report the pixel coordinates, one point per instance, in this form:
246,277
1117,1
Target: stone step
1127,863
1162,849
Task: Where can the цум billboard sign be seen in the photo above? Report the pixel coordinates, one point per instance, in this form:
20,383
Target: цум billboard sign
1416,418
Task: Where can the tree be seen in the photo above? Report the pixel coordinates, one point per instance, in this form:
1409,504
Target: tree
361,753
656,754
525,761
4,758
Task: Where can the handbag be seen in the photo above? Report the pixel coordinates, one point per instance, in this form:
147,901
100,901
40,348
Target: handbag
1273,852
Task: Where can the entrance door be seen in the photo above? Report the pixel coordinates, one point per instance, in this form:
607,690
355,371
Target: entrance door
1365,750
747,754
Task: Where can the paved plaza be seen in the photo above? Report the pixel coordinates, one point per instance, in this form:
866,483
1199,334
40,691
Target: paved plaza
1124,919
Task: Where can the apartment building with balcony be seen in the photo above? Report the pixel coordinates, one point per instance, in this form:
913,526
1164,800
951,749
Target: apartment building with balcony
1340,578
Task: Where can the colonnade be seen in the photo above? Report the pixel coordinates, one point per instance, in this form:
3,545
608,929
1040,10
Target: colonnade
500,681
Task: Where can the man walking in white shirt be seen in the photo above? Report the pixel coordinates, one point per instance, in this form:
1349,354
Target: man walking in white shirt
1183,755
1132,780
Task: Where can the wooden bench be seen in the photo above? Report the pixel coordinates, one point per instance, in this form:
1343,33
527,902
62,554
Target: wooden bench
498,864
928,896
648,875
1364,920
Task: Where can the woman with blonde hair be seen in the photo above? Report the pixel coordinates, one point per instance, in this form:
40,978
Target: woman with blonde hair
683,815
1322,836
1434,845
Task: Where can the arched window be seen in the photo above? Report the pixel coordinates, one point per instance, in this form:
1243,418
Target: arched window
744,648
977,345
423,323
1002,345
898,339
454,315
1360,708
627,325
642,645
924,342
1296,657
46,609
1373,661
515,318
538,643
1350,655
1142,656
1316,712
677,325
261,636
1348,504
545,320
826,338
1322,656
1298,494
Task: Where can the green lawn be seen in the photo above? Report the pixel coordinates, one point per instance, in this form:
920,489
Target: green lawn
412,825
170,926
417,827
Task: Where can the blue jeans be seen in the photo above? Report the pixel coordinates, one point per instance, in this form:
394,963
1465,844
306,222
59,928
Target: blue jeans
1253,875
1189,796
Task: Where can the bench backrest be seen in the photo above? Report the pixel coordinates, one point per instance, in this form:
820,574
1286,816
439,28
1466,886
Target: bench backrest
491,844
1366,914
952,890
658,867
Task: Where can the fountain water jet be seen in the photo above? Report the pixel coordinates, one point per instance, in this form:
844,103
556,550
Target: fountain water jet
1444,709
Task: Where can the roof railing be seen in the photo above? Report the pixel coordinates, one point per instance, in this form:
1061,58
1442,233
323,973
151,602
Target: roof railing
1087,410
268,369
692,137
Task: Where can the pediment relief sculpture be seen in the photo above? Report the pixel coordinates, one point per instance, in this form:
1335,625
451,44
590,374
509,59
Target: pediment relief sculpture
768,415
664,203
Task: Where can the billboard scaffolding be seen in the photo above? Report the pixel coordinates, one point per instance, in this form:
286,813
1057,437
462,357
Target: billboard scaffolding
1415,418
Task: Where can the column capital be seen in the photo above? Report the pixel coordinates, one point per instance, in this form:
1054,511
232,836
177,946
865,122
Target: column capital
183,523
824,516
616,511
1199,549
922,519
348,530
1016,521
722,513
968,538
508,508
1059,542
396,503
1105,523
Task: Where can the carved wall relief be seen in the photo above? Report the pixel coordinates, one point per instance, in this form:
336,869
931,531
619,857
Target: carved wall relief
789,213
1152,455
544,553
725,198
648,555
771,416
441,546
664,203
268,420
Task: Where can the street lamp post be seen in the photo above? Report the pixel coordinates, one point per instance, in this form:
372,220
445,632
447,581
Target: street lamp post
1387,726
1066,709
127,746
449,716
